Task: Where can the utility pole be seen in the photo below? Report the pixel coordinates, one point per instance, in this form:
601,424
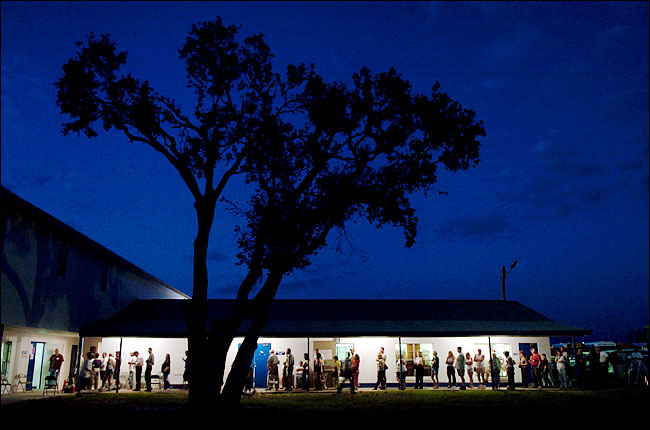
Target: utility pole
503,279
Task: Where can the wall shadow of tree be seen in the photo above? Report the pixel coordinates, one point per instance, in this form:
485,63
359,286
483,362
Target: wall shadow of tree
48,288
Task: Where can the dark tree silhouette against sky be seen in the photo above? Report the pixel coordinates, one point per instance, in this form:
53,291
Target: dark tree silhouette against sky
315,155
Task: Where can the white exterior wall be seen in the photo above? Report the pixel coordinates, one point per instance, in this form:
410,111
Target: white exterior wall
21,348
368,348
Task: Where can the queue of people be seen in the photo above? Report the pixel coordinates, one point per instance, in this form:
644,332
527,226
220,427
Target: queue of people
98,372
101,372
459,366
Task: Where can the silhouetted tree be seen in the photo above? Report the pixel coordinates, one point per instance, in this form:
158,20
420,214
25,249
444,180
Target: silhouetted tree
315,154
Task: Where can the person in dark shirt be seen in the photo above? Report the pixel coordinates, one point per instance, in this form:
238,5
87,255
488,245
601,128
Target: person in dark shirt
545,369
147,372
56,360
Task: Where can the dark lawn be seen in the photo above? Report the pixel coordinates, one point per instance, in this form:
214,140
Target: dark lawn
543,407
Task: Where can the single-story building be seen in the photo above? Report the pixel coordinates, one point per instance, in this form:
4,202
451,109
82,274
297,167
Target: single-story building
334,327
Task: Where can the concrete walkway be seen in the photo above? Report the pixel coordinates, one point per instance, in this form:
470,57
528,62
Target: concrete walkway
7,399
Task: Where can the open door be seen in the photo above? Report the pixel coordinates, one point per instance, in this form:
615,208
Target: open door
35,366
260,371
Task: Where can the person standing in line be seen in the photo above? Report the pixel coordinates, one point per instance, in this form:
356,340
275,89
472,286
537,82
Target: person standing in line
381,372
435,366
510,370
479,365
523,366
87,372
165,369
284,380
186,371
400,373
108,373
118,366
535,364
469,366
102,368
460,367
131,370
97,366
336,373
139,363
561,365
356,364
567,362
291,361
495,371
147,373
419,371
545,368
385,358
272,366
318,372
305,373
451,373
347,374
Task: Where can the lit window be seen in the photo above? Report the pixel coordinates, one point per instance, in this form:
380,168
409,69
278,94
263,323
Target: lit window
342,350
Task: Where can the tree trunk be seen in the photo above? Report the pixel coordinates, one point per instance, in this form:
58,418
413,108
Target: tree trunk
262,305
201,391
224,331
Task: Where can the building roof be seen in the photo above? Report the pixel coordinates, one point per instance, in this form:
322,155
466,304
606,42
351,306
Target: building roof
344,318
13,204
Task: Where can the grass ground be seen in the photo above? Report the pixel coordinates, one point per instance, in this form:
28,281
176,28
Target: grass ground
543,407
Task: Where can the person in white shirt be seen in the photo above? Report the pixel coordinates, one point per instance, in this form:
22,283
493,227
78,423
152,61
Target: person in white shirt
561,364
381,372
108,373
469,367
131,370
381,369
139,362
400,373
479,366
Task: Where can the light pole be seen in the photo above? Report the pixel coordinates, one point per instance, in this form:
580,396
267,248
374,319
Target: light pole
503,278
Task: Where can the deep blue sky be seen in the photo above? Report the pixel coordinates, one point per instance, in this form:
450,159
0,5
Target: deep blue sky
562,186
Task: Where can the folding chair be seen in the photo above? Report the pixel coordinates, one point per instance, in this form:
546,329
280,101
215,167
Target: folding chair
19,381
51,384
6,385
156,382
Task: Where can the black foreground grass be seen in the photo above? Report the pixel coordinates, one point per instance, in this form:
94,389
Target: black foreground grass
622,405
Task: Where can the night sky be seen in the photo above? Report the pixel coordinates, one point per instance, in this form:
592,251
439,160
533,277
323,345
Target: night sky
562,186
